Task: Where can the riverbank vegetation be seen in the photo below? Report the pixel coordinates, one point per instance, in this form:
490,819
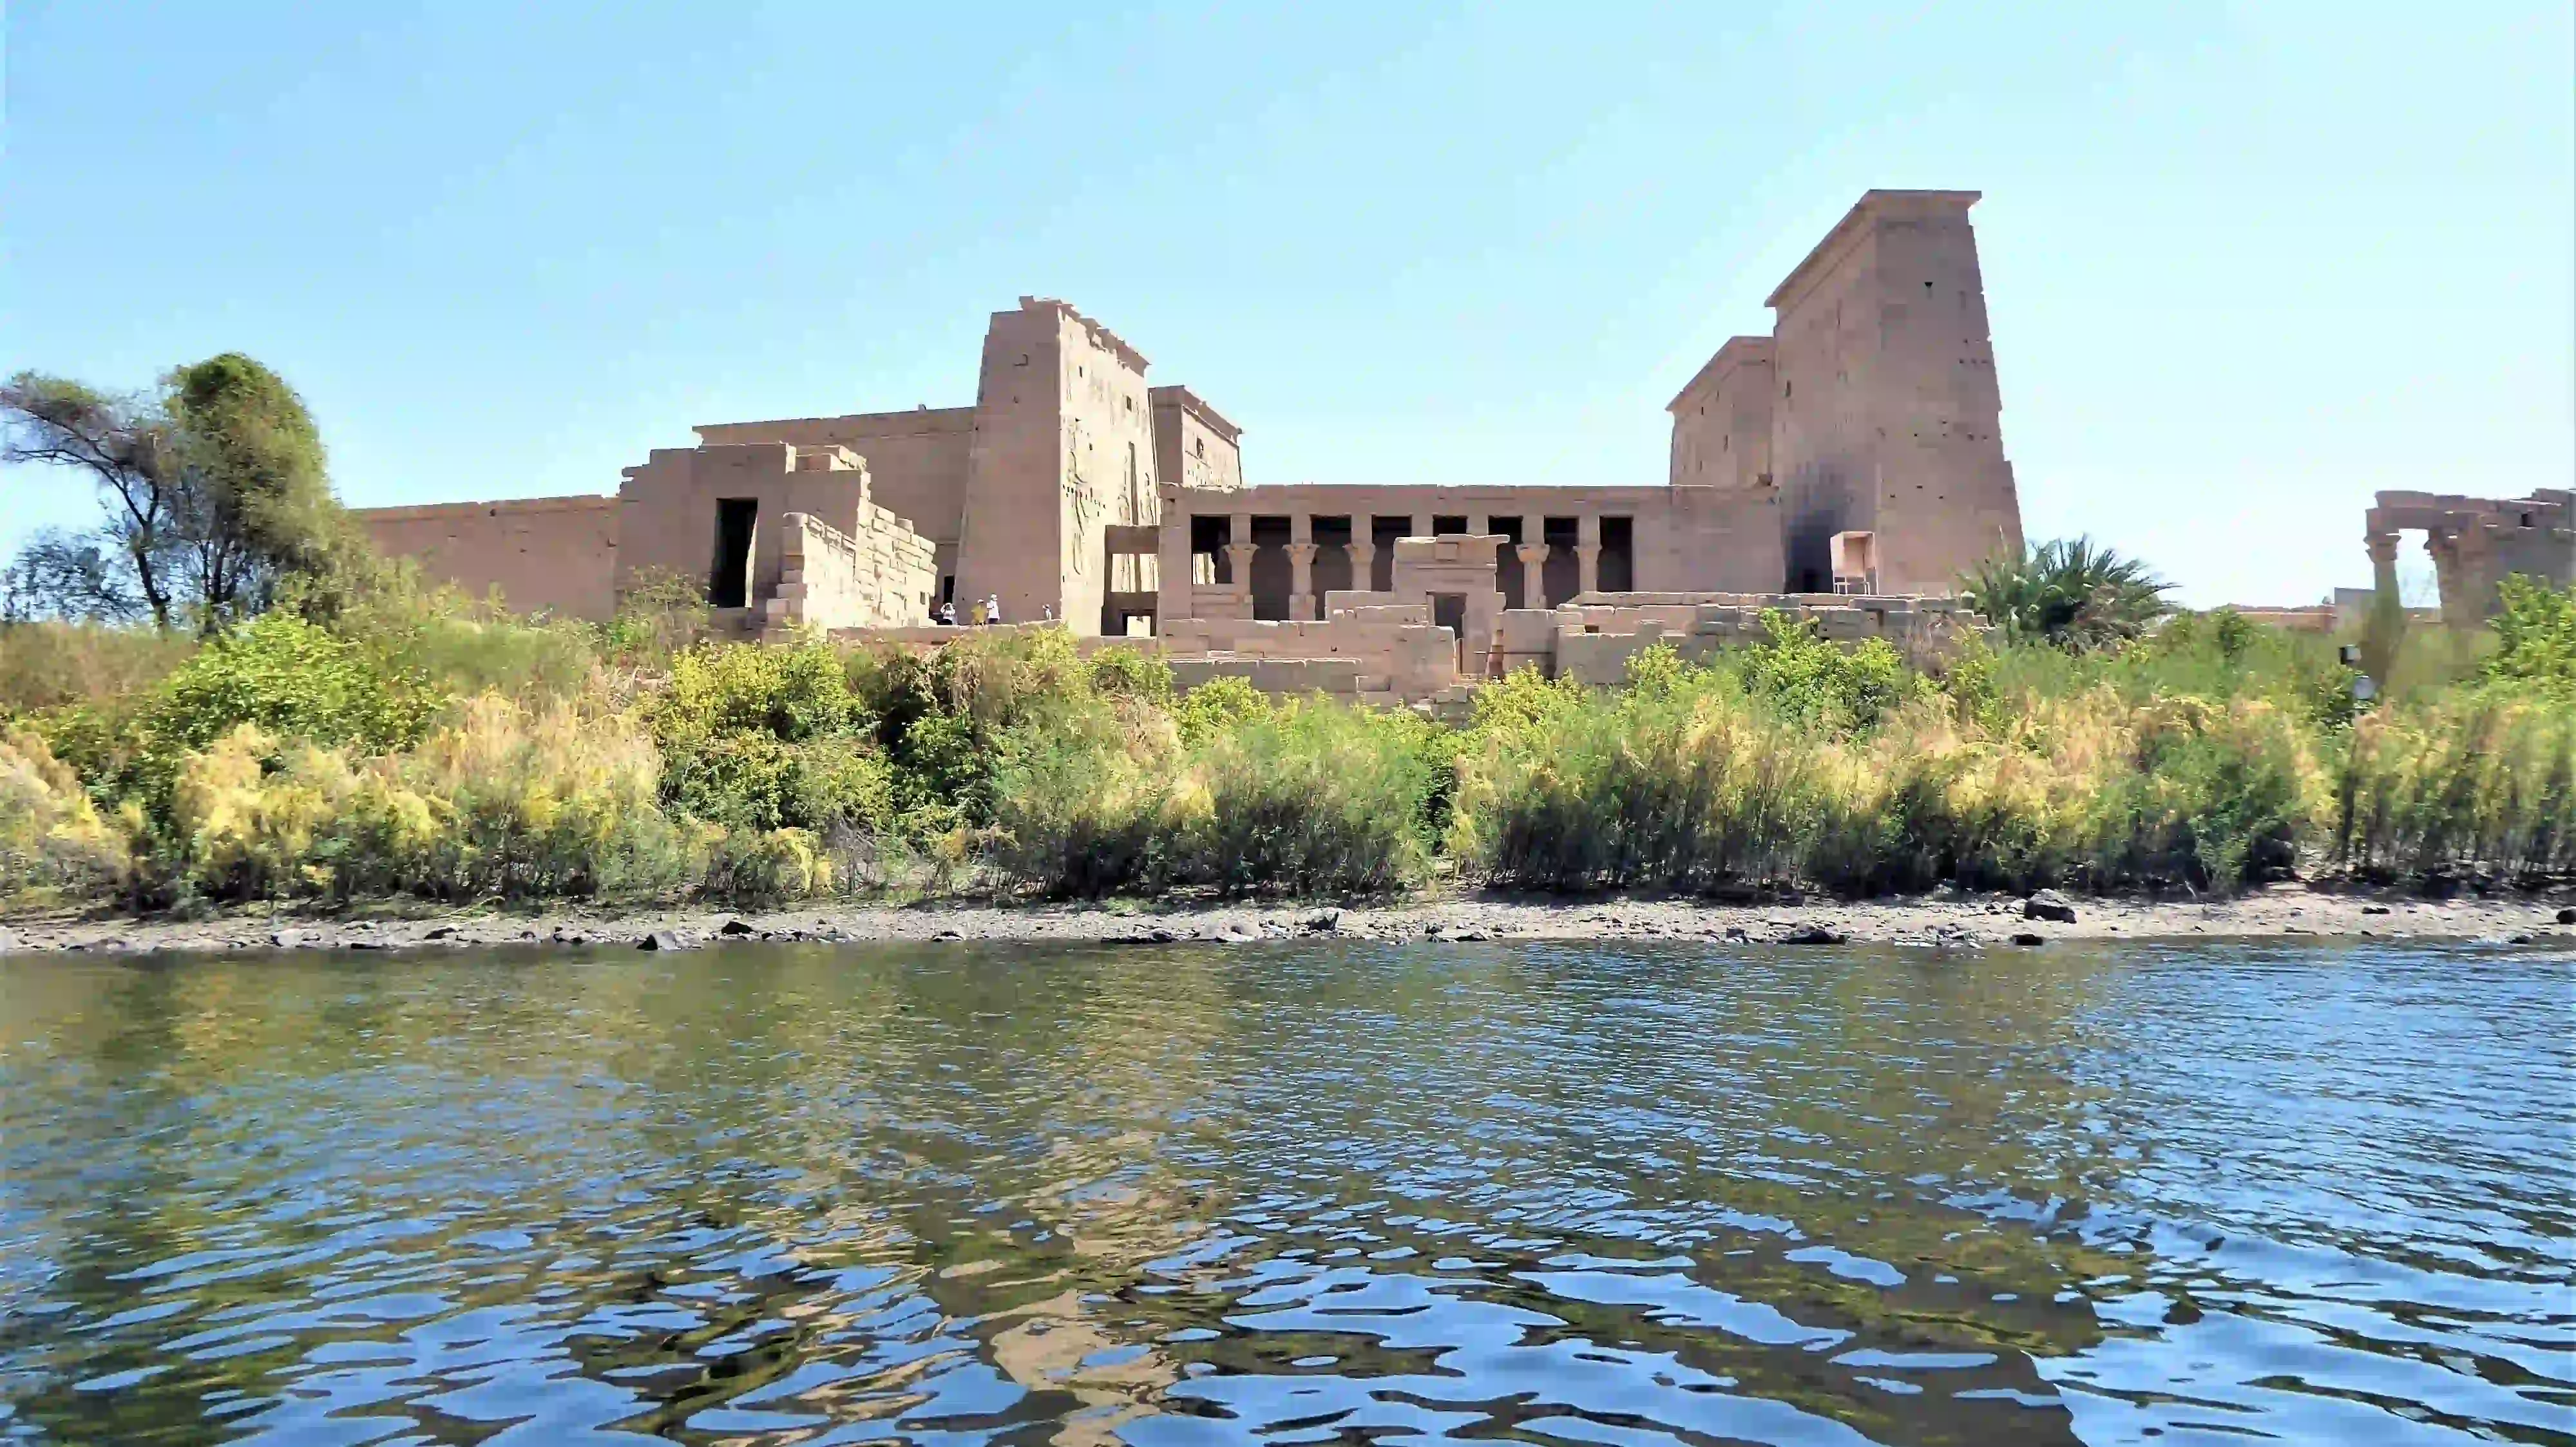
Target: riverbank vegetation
220,696
417,743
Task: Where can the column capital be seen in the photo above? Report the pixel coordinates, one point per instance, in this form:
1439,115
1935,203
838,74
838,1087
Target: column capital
2382,546
1302,553
1530,552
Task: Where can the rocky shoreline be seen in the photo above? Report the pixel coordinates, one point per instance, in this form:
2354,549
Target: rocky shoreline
1943,919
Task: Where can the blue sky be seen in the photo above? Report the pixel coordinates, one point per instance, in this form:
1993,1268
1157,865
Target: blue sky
2245,264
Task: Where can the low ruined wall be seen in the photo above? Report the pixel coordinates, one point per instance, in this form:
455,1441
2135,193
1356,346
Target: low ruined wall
884,575
1410,660
545,554
1597,633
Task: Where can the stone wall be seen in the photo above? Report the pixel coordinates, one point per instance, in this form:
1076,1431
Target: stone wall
1888,419
916,461
883,575
1594,637
1722,419
547,554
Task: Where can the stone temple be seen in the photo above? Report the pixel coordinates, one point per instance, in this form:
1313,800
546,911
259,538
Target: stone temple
1848,466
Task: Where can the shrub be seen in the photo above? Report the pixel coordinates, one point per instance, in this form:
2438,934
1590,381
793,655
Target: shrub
1309,798
2463,784
1216,707
770,737
51,837
46,665
1816,682
2535,638
502,802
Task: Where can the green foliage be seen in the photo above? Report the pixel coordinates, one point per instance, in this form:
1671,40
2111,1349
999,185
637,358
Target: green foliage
2466,783
1218,706
1127,673
761,738
215,500
1816,682
1300,798
295,680
2068,594
418,742
659,614
47,665
2535,638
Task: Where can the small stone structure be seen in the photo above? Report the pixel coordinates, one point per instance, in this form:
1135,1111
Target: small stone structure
1852,457
2475,542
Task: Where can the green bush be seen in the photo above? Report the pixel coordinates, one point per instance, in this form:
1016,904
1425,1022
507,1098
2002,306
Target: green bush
762,738
1803,676
2535,638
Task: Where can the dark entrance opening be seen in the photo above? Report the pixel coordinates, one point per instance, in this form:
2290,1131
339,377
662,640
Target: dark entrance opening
729,581
1208,540
1270,570
1507,563
1618,555
1332,568
1449,610
1444,526
1383,531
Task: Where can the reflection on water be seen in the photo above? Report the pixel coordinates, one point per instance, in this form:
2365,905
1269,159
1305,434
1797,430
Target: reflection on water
1595,1195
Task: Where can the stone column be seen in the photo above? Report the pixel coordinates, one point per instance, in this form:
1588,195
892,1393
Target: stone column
1172,565
1476,522
2464,562
1301,568
1363,550
1421,525
2383,563
1238,552
1587,552
1533,558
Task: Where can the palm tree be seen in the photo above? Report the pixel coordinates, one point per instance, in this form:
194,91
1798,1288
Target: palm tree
2068,593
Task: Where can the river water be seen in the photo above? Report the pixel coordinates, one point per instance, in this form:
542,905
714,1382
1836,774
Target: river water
1586,1194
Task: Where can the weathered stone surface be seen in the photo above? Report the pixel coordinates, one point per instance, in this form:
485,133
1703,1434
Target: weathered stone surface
1845,467
662,939
2048,904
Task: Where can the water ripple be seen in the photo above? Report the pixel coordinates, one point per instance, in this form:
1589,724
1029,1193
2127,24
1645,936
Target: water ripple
1161,1197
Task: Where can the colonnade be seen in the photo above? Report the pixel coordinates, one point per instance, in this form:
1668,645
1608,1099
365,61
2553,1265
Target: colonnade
1532,551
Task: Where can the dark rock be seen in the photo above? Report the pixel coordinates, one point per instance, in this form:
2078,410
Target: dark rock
1814,934
1324,919
946,934
2519,940
1736,933
735,929
662,939
440,933
2374,909
2049,904
1471,936
365,943
2026,938
2567,916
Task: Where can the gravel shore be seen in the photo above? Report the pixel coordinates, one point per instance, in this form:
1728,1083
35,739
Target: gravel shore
1941,919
